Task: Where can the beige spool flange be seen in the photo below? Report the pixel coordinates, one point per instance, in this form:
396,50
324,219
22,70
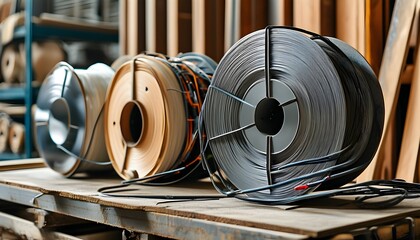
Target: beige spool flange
145,122
17,137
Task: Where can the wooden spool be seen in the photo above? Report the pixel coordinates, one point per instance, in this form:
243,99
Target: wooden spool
4,132
17,137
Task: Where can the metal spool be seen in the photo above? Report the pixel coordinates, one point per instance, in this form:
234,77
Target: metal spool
151,116
68,119
289,111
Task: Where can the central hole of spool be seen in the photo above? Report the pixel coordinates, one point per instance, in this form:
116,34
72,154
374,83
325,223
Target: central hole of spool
269,116
131,123
59,121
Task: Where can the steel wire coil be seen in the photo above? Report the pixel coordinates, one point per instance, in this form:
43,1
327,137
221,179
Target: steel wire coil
289,111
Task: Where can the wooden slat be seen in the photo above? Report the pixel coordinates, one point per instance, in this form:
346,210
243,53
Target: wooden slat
132,27
123,27
392,66
151,25
172,37
161,26
408,161
307,15
348,23
28,230
374,33
387,167
317,16
228,218
198,26
21,164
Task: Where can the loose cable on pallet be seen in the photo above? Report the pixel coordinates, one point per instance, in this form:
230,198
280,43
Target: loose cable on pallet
69,118
151,117
289,111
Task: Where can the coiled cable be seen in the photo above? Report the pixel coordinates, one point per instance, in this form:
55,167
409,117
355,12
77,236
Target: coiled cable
289,111
69,119
151,117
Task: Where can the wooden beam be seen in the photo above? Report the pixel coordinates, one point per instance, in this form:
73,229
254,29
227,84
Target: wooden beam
393,64
21,164
151,25
408,163
172,37
307,15
198,26
27,229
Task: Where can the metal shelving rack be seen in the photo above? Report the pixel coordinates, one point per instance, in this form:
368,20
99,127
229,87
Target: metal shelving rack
29,32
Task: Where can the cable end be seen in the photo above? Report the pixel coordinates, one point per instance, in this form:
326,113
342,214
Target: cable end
301,187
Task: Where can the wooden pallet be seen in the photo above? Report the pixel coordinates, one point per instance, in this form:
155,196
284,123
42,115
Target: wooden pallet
206,219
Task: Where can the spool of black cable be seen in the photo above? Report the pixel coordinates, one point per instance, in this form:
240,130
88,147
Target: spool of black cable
287,112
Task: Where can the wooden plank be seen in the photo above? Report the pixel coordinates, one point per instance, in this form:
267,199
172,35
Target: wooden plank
408,160
172,41
393,63
123,23
144,221
214,219
307,15
132,28
21,164
349,17
13,109
317,16
198,26
161,26
44,219
151,25
27,229
388,165
374,27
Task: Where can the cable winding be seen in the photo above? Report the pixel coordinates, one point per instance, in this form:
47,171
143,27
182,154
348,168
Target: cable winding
69,119
151,116
287,112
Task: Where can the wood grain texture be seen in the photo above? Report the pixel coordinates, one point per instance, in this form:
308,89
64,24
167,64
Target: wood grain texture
78,196
408,161
307,15
392,66
198,23
172,18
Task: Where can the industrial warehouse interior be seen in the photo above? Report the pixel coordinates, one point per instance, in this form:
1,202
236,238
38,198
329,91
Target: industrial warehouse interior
209,119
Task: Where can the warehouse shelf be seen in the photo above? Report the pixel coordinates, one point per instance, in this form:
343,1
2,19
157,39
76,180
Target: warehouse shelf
38,29
15,93
11,156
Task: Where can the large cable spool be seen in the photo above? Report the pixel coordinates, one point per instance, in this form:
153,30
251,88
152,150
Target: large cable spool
287,112
151,116
69,118
45,55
